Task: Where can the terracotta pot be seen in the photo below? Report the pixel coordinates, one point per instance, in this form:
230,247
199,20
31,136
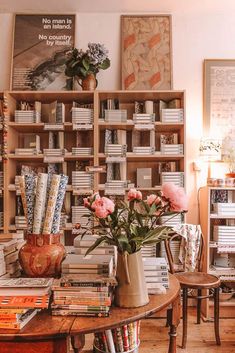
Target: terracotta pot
89,83
230,175
42,255
131,291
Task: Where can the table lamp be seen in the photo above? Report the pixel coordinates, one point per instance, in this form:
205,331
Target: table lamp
210,150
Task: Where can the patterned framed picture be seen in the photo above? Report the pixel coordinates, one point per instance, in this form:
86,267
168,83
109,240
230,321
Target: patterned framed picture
146,54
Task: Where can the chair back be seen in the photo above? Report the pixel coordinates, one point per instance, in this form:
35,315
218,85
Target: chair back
191,248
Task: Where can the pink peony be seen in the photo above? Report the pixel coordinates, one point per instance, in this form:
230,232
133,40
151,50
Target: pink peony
101,212
176,196
134,194
109,205
153,199
86,202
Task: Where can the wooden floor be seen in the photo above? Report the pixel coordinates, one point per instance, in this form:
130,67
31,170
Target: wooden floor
154,337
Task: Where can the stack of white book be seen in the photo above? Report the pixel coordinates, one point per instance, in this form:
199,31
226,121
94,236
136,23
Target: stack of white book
156,273
27,116
10,245
144,121
27,151
82,180
171,220
91,264
172,148
63,220
115,150
54,152
82,245
82,116
224,235
115,115
148,251
78,217
115,187
144,150
172,115
176,178
224,209
82,151
20,222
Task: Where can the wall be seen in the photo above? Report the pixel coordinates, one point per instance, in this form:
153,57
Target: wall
200,30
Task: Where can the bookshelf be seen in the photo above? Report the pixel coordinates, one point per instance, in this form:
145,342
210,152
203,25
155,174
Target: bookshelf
94,138
218,257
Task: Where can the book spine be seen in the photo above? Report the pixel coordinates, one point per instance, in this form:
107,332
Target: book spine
126,344
9,325
120,346
87,302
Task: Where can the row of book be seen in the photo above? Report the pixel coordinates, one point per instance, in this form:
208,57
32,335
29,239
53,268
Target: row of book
21,299
118,340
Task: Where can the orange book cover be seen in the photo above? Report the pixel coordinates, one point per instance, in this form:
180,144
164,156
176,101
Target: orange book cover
24,302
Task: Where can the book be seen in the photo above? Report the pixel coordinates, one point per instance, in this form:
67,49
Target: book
24,319
29,302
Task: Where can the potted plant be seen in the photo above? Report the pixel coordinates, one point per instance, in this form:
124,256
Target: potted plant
129,226
84,65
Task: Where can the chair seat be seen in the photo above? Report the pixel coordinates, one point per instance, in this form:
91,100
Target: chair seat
197,280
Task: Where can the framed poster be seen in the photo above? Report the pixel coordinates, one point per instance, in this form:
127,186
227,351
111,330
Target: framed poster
39,51
146,52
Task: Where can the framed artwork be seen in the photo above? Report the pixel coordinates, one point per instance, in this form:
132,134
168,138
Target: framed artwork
146,52
39,51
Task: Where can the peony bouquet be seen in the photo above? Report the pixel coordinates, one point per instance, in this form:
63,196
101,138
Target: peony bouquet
131,225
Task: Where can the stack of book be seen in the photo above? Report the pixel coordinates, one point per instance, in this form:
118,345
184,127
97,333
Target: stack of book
115,150
27,151
82,180
115,187
78,217
51,152
148,251
115,115
120,339
92,264
144,121
82,245
60,113
21,299
83,295
156,273
144,150
10,245
20,222
172,149
224,208
82,118
176,178
82,151
172,115
63,220
27,116
171,220
224,235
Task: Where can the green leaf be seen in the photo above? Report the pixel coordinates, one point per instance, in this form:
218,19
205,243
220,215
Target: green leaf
105,64
86,64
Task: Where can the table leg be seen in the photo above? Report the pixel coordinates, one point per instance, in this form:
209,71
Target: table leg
174,322
78,342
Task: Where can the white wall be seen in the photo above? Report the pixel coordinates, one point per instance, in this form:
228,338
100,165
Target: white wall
201,29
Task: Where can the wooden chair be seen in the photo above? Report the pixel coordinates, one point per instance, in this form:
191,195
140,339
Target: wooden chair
197,281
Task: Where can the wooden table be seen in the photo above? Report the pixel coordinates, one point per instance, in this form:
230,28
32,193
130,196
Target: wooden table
48,334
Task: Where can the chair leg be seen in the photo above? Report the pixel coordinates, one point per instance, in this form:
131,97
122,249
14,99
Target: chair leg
199,301
185,316
216,316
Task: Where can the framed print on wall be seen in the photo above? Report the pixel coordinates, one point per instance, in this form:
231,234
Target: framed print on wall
146,52
219,97
39,51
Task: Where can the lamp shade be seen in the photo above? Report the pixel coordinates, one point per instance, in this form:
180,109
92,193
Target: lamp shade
210,149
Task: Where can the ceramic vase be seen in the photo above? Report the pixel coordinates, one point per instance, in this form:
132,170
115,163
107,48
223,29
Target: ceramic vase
42,255
89,83
131,291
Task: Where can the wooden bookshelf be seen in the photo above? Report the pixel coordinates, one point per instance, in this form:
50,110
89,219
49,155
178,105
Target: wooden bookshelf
91,138
207,220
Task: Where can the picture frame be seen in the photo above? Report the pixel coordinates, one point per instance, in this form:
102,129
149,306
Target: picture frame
146,52
39,49
219,98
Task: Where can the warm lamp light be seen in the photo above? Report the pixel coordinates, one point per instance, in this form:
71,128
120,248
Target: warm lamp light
210,151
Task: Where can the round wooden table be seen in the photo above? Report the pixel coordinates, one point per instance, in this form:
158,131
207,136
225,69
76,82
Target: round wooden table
48,334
